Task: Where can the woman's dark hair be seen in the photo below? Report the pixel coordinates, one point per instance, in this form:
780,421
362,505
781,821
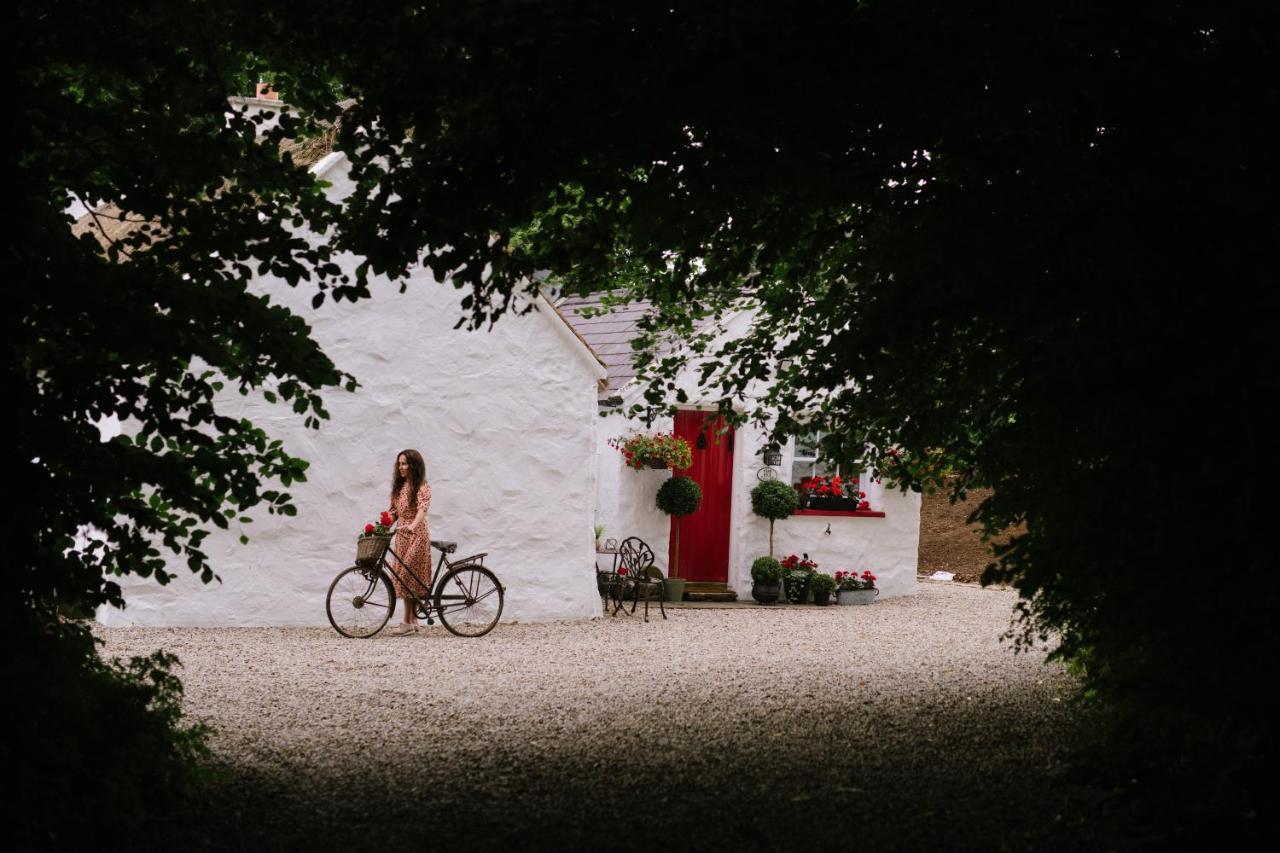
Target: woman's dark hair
417,476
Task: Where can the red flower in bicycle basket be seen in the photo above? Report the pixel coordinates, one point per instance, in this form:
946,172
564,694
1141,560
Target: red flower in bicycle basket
368,528
385,519
622,571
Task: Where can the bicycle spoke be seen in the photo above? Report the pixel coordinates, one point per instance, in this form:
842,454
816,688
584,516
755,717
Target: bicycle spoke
359,602
477,604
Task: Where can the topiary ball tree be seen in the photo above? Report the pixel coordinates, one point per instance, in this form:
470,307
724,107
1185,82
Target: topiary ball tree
678,497
766,570
774,500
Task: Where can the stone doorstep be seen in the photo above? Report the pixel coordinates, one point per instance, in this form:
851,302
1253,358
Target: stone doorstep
708,591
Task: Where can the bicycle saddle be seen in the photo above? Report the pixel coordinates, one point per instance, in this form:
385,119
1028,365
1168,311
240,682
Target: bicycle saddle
445,547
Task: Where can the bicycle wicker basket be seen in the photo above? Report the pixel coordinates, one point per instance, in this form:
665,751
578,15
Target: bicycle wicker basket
371,549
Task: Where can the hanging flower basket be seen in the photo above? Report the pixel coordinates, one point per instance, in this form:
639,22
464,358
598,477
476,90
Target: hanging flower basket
659,450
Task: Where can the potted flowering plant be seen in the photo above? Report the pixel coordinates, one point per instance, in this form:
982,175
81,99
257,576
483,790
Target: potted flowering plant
831,492
372,542
796,572
822,584
854,588
660,450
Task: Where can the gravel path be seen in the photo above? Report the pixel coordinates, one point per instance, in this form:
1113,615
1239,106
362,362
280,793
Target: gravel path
899,726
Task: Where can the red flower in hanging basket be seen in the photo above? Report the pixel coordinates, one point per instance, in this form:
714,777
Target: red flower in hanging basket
659,450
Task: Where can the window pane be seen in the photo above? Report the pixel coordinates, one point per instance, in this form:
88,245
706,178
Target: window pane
807,446
801,469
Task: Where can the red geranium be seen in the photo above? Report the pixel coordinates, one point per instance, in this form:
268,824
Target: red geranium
381,527
849,581
792,563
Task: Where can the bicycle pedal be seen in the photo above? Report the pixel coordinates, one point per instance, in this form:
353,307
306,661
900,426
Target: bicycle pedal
430,621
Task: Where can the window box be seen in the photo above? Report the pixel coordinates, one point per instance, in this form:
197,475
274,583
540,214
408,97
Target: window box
860,513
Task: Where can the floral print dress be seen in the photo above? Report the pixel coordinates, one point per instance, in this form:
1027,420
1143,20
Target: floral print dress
413,546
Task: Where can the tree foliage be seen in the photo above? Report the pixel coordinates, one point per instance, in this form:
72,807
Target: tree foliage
774,500
1023,244
1027,237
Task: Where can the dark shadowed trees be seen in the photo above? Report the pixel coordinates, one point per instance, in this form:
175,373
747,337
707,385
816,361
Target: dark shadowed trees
1025,244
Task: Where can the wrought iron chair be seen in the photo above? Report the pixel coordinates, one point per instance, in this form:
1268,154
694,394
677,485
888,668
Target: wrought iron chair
608,581
640,577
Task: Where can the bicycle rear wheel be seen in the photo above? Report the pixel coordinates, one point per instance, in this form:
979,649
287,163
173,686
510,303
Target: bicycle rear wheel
469,600
360,601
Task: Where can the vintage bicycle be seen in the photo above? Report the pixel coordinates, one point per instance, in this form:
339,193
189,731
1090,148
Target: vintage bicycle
466,596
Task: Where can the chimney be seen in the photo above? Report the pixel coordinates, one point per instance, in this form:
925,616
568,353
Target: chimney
266,93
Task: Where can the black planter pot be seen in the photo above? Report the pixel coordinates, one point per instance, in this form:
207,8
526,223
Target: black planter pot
766,593
828,502
655,462
797,589
821,598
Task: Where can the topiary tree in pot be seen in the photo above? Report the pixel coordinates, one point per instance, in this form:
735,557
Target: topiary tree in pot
766,580
775,501
678,497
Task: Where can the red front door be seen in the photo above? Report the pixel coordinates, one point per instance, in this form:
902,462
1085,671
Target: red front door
704,535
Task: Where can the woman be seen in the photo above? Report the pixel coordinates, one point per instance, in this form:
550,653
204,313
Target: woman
410,497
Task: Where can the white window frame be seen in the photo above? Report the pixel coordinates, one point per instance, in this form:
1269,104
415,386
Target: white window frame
811,461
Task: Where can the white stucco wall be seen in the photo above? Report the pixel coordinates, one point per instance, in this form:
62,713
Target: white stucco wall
506,420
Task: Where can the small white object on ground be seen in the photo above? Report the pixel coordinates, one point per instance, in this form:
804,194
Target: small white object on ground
942,576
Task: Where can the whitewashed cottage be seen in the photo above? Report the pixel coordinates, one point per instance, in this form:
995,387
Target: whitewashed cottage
510,423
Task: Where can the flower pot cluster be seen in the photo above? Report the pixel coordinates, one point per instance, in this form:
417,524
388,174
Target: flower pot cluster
797,577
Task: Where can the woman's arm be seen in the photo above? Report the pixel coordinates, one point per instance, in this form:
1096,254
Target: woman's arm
424,500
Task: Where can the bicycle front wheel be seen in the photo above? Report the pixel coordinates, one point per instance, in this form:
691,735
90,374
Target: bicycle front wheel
360,602
469,601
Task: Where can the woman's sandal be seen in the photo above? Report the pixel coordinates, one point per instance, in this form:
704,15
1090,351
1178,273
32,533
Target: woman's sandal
404,628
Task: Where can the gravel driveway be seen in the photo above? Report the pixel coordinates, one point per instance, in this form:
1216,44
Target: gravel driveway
904,725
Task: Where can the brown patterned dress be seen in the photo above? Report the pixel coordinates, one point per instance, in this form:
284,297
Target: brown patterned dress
412,545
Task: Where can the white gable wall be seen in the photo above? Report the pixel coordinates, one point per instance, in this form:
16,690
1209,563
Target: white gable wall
506,420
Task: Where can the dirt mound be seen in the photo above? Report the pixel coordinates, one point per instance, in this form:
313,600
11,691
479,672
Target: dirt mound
948,542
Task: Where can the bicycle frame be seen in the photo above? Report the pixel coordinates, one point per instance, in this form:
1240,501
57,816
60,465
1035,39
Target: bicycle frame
436,588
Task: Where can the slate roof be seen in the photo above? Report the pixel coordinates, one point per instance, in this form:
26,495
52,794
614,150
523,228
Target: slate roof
609,336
